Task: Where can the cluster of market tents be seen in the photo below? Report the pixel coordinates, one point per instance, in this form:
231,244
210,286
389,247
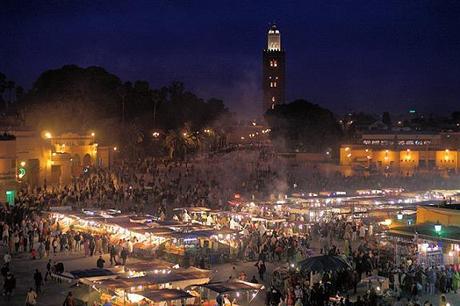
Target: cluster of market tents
155,282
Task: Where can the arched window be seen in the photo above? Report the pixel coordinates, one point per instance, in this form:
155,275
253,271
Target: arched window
87,160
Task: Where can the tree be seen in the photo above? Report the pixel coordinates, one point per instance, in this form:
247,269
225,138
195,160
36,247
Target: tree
19,93
455,117
79,99
178,142
303,126
75,99
386,118
3,83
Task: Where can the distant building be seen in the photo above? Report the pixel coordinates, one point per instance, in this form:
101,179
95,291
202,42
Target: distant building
273,71
8,183
27,156
401,153
436,234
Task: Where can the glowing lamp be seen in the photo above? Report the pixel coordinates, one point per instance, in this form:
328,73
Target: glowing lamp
399,216
387,222
438,228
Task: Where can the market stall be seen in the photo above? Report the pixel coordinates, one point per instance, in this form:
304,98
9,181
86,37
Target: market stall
234,292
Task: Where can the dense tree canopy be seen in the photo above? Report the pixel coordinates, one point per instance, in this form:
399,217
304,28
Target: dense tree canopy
72,98
9,92
303,126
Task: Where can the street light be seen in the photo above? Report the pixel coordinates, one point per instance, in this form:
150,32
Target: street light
438,228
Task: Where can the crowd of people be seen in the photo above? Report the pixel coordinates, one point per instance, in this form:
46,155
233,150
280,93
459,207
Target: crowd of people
158,186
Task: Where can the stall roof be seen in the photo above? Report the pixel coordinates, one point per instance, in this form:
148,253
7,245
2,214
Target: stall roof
160,230
274,220
125,222
202,233
96,272
229,286
193,209
155,264
160,278
426,231
161,295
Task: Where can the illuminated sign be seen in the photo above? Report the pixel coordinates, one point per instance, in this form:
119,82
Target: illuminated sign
399,142
10,195
21,172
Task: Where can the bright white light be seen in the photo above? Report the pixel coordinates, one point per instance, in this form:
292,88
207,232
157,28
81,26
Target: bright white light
135,298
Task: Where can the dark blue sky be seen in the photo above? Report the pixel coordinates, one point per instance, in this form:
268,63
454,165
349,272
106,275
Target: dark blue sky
345,55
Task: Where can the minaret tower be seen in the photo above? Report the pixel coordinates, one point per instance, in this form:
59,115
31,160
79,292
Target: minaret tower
273,70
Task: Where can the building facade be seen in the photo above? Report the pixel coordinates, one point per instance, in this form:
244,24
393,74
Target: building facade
8,182
27,156
401,153
273,70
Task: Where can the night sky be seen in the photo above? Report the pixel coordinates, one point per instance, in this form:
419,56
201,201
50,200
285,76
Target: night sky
345,55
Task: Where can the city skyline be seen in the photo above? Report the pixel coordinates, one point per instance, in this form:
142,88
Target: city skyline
357,57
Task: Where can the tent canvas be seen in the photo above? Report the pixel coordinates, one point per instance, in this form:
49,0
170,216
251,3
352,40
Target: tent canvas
161,295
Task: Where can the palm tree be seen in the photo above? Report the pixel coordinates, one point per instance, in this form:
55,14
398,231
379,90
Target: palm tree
10,86
3,86
19,93
180,142
171,143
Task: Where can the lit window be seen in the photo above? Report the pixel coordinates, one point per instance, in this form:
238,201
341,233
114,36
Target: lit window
273,63
273,84
273,99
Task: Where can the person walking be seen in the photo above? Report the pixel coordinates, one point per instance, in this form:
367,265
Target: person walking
48,269
69,301
124,256
9,285
262,269
92,246
38,279
455,281
7,258
113,253
31,297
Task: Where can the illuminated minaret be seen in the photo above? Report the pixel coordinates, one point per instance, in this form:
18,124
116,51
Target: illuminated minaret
273,70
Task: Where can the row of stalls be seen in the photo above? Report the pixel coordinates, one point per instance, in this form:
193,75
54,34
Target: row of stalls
435,238
155,283
173,240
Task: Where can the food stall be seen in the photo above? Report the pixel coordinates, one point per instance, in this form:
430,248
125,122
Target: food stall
146,289
235,292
